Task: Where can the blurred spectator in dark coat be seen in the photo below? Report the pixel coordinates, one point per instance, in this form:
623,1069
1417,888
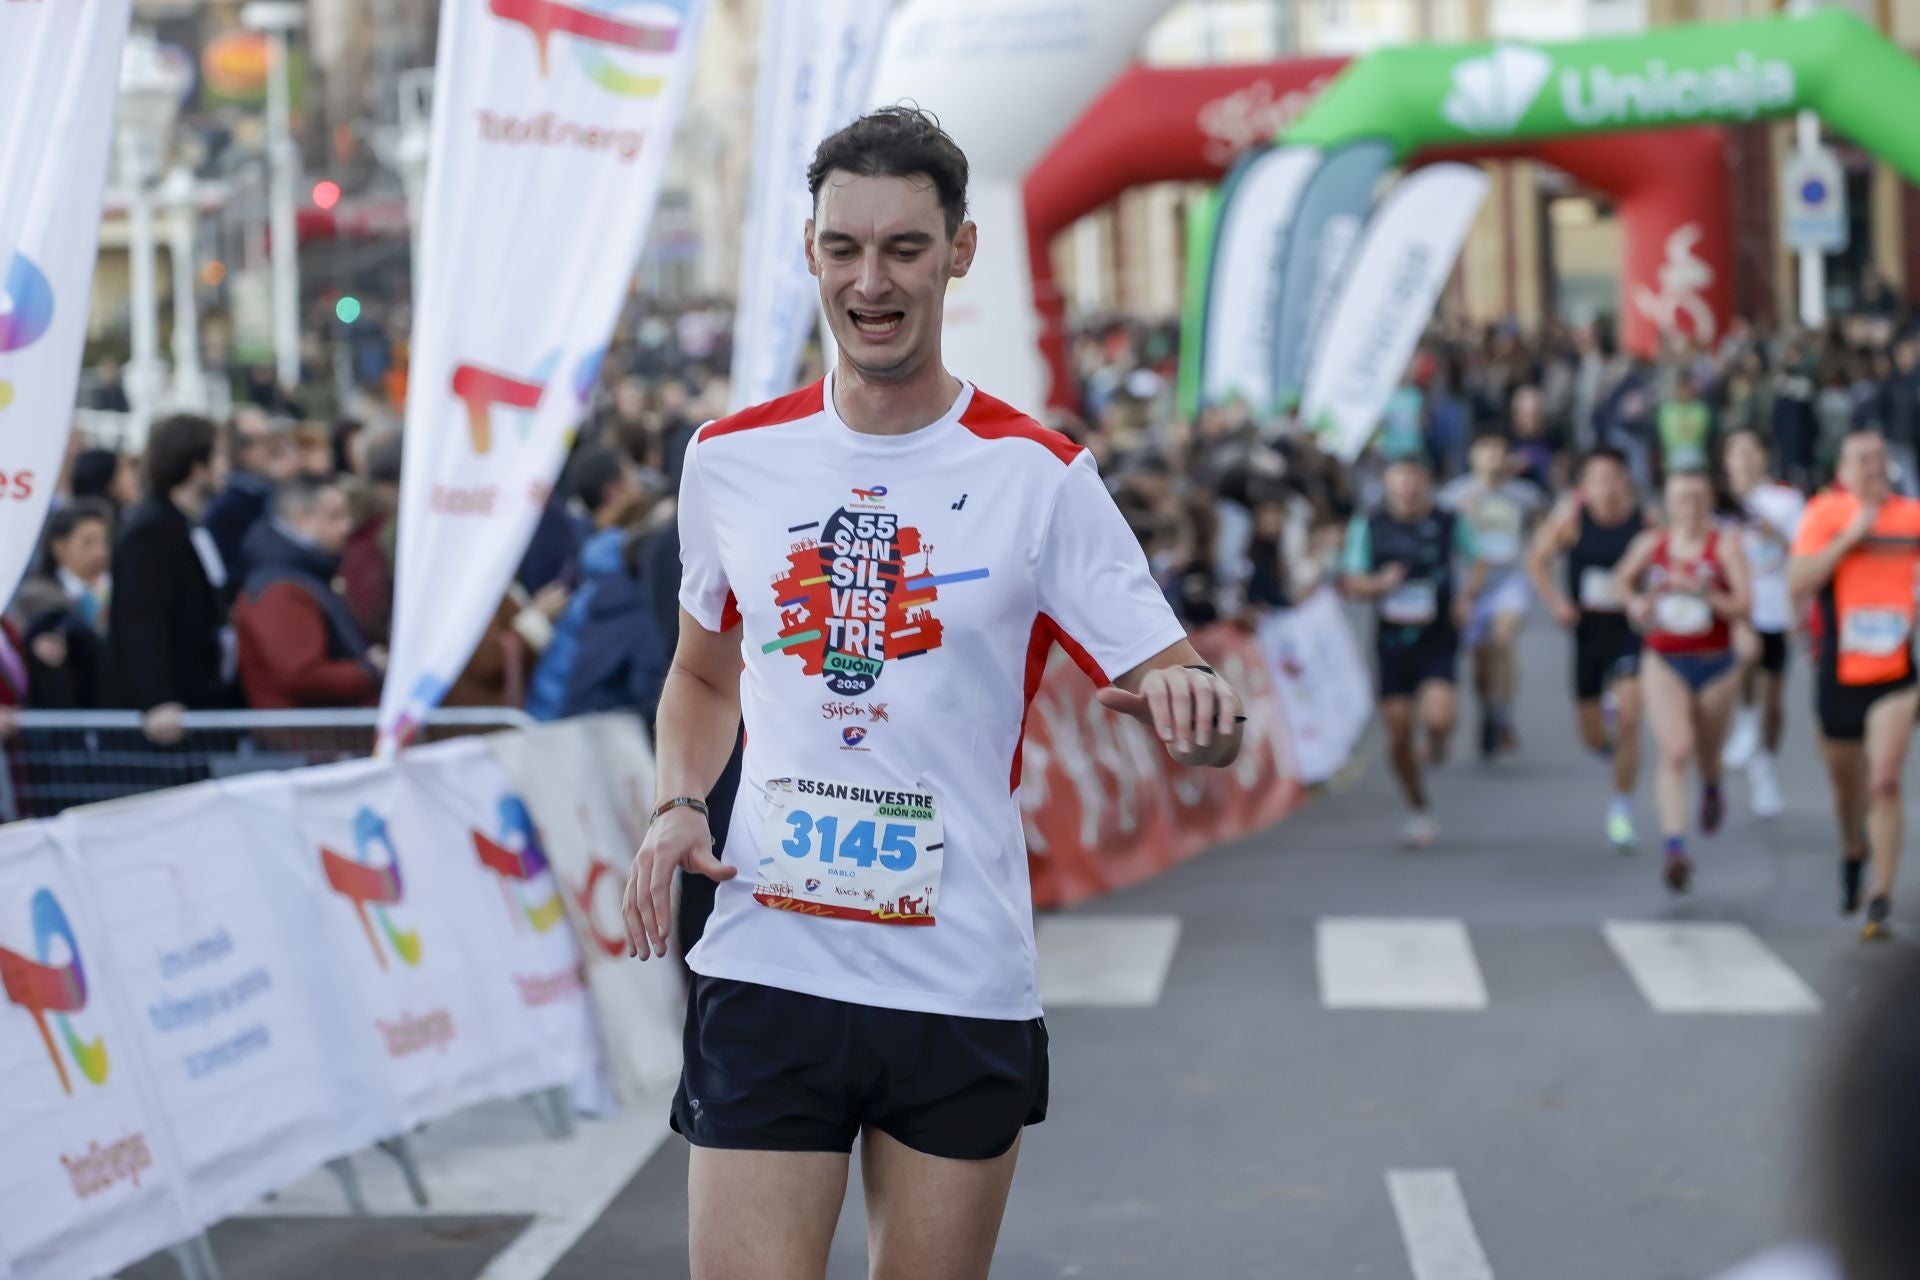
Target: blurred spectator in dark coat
366,564
299,643
260,454
62,611
169,647
105,474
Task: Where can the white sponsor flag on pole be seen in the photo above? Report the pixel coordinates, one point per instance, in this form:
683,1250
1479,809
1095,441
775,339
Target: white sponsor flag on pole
59,80
816,66
552,124
1243,300
1404,258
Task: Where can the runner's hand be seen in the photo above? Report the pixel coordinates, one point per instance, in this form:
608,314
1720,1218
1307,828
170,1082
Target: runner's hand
1564,612
1862,523
1390,576
1194,715
679,838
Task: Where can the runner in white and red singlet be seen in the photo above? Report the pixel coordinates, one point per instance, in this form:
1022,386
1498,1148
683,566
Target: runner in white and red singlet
890,535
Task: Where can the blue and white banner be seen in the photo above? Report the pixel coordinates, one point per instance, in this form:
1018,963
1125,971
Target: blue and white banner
816,67
59,80
1326,225
1404,259
552,124
1243,294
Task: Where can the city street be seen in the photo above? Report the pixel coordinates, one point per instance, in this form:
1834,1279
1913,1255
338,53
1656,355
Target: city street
1516,1038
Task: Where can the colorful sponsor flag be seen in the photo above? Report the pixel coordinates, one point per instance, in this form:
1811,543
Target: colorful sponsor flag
1243,294
816,67
552,124
1407,253
59,78
1326,224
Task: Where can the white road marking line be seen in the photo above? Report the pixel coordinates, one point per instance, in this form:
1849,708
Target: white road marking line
1707,968
489,1160
1382,963
1106,961
1434,1223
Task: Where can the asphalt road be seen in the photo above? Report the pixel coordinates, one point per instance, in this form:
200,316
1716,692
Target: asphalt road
1312,1054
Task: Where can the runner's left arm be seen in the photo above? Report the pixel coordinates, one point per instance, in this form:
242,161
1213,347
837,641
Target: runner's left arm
1626,575
1735,604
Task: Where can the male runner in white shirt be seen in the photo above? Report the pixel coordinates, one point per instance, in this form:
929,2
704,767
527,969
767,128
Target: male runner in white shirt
874,570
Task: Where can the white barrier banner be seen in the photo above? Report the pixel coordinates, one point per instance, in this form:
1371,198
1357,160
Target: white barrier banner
552,124
577,776
519,949
394,920
1323,680
245,1037
1403,260
1243,294
59,80
87,1184
816,67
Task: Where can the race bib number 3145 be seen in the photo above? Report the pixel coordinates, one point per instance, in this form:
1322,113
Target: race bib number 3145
850,852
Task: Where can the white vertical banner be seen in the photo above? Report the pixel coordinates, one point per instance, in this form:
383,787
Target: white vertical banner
59,80
526,966
87,1182
205,922
394,915
577,776
552,124
1404,257
1323,681
816,67
1243,294
1005,78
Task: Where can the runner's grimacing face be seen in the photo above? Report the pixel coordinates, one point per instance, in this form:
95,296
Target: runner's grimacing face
881,250
1862,469
1407,489
1604,488
1689,501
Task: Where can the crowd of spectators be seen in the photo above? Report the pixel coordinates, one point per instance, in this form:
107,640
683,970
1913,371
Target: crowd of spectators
251,563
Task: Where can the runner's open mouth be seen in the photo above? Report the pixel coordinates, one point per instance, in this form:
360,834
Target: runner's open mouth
878,323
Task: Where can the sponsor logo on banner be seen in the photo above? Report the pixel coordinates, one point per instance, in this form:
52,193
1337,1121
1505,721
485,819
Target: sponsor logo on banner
1491,94
604,43
372,889
853,735
1683,279
856,597
610,940
26,313
51,991
517,858
1250,117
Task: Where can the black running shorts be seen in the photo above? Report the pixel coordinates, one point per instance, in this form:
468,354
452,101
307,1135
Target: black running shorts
1605,649
1842,708
774,1070
1405,667
1773,652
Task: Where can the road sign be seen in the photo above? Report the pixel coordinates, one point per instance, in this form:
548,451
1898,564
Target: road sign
1813,202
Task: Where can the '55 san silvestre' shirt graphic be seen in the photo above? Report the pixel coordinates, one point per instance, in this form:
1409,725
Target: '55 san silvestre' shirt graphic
927,575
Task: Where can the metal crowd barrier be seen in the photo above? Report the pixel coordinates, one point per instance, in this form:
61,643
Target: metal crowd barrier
60,759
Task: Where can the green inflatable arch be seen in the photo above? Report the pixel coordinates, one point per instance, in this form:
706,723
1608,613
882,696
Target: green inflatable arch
1828,61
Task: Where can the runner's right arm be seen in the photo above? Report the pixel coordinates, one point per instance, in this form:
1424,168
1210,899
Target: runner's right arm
1626,577
1359,580
1821,543
1552,540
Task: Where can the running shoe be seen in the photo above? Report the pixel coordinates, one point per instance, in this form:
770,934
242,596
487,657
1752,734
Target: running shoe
1620,830
1743,742
1850,872
1763,787
1878,927
1679,872
1712,809
1489,735
1420,832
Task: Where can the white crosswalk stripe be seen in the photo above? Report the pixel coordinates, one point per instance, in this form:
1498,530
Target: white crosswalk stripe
1434,1223
1695,967
1105,961
1381,963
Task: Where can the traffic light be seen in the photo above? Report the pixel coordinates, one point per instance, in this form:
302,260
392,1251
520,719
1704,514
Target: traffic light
326,194
347,310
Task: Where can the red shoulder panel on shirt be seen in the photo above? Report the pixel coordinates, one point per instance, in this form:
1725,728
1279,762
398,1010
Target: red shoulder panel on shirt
992,419
803,403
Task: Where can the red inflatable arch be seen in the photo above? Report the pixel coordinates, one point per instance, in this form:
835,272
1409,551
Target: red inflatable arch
1670,188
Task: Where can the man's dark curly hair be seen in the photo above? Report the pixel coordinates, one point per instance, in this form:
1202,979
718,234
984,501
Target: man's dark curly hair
897,142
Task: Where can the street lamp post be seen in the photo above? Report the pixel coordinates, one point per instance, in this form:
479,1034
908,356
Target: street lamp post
150,88
189,379
275,18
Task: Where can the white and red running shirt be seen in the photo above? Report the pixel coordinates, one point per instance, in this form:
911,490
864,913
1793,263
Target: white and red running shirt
898,596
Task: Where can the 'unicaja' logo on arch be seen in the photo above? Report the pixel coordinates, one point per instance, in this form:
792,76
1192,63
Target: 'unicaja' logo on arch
372,889
50,992
613,44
